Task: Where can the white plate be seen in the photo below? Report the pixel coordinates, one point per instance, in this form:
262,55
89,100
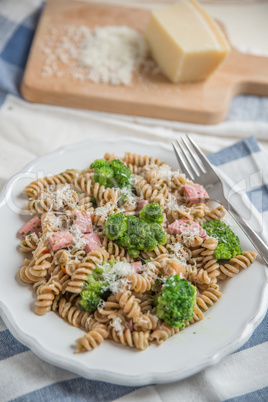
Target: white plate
226,327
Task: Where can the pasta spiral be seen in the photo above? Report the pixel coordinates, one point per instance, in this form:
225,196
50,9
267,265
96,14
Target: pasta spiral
45,295
240,261
95,257
29,243
155,253
207,298
85,202
110,157
209,262
129,207
104,195
69,312
145,301
87,321
146,191
36,268
38,186
162,333
147,322
109,308
139,160
215,214
138,283
115,251
93,338
129,304
39,206
83,183
78,279
200,277
137,339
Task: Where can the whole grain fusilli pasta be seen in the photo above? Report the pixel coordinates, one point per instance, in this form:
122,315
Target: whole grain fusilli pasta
37,187
110,283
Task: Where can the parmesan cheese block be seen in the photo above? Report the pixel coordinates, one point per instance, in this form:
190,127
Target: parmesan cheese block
185,41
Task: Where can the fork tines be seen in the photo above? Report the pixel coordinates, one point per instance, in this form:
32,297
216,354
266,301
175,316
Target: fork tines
191,159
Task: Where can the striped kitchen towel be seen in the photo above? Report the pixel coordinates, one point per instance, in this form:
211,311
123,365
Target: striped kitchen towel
241,376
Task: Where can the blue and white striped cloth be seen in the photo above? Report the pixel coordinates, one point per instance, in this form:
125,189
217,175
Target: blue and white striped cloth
241,376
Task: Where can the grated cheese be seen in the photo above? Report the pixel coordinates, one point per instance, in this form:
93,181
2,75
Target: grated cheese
106,210
111,54
180,254
78,241
164,171
108,54
116,276
61,196
53,222
131,197
116,323
148,270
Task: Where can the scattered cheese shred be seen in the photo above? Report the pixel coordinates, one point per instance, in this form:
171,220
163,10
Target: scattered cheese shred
61,196
116,276
106,210
116,323
78,241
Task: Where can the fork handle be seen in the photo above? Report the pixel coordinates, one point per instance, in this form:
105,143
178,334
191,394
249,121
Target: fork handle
259,244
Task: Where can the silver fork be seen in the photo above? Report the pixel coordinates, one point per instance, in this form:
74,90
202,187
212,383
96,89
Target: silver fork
196,166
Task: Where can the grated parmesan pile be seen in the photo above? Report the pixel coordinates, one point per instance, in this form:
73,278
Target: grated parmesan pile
116,276
110,54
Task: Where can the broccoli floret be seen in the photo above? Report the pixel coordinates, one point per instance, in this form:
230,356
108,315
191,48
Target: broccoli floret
99,163
111,174
137,231
175,301
141,235
122,174
134,253
103,175
96,274
90,300
124,241
93,292
152,213
150,243
134,233
159,234
115,226
228,243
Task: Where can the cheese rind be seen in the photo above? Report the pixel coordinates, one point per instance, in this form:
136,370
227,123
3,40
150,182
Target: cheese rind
185,41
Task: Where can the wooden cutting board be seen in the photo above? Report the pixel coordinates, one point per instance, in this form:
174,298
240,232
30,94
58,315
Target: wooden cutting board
151,95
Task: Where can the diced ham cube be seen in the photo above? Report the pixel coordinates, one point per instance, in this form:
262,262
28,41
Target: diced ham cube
136,266
140,205
186,226
93,241
195,193
33,226
130,325
60,240
82,220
